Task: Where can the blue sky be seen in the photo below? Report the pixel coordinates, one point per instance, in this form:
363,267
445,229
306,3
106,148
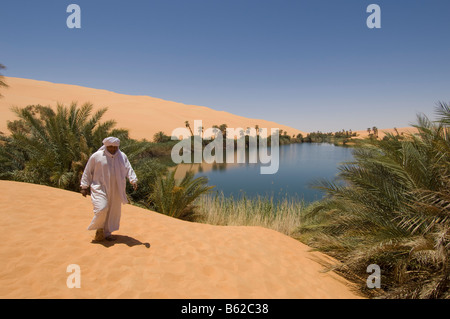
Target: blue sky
313,65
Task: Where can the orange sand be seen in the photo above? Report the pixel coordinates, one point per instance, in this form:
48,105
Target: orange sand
381,132
43,230
142,115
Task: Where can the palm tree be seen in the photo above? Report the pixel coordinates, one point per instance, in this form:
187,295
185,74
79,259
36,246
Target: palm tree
216,130
2,82
57,144
160,137
200,131
443,110
223,129
375,131
186,123
175,198
393,209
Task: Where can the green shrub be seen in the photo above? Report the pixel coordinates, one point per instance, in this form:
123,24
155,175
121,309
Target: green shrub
392,208
175,198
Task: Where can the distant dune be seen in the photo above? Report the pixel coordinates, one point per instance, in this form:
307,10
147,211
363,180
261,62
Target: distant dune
142,115
43,231
381,132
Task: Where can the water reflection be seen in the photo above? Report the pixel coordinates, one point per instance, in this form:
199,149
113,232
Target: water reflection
300,165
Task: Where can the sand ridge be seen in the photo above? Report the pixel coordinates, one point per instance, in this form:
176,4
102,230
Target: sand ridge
403,131
43,230
143,116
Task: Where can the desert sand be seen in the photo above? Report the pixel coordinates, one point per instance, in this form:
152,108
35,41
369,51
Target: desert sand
43,231
142,115
382,132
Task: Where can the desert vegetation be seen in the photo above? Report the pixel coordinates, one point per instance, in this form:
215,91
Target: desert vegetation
389,207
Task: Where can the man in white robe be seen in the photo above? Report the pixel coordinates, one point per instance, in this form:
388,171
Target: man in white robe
105,174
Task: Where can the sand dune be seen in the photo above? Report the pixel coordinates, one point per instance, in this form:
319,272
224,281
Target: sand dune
381,132
43,230
142,115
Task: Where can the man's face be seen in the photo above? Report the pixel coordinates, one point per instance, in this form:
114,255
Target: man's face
112,149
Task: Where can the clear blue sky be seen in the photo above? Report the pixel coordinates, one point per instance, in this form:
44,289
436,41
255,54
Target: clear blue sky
313,65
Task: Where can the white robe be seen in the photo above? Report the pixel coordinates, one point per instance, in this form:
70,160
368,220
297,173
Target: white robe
106,175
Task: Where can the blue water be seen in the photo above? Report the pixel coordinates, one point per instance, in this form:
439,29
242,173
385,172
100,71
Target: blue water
299,166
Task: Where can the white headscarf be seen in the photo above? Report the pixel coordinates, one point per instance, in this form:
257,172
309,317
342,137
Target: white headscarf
110,141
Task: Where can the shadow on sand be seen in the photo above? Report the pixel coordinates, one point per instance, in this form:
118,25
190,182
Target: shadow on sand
121,239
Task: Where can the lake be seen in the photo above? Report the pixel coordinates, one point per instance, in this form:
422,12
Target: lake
299,166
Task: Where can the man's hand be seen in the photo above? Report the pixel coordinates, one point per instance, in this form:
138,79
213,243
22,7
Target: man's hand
84,192
134,186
